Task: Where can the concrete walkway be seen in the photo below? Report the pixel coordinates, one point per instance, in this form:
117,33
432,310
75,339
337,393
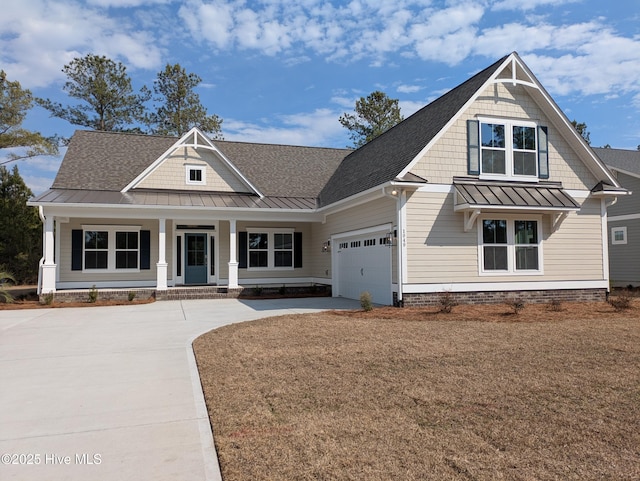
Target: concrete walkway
113,393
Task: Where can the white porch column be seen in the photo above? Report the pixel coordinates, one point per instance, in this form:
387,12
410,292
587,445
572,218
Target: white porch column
48,267
161,266
233,261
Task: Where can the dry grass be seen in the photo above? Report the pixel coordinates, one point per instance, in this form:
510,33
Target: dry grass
410,394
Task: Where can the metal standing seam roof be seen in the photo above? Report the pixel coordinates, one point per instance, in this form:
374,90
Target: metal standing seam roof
478,194
176,199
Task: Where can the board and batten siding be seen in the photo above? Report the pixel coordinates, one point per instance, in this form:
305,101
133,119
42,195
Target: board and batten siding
624,259
64,263
441,252
448,156
171,174
374,213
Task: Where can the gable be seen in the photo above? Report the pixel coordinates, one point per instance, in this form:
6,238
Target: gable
173,173
448,156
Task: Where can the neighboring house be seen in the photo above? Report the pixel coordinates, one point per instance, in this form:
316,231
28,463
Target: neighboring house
487,192
624,217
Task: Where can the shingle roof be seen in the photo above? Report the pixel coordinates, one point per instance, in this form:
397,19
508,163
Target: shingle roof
382,159
108,161
284,170
628,160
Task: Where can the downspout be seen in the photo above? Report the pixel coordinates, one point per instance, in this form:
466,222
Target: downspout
604,205
44,240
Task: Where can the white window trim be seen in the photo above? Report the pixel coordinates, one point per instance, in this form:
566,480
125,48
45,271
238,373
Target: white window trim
270,248
613,235
111,251
511,246
508,124
203,171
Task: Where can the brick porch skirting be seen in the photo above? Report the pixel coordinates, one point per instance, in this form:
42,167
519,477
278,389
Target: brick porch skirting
498,297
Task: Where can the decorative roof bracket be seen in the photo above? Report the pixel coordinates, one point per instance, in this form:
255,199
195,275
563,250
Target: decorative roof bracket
470,219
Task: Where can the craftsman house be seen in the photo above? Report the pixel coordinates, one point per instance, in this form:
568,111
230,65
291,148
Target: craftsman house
485,192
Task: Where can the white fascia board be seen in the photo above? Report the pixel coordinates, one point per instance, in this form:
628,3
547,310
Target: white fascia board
182,142
455,118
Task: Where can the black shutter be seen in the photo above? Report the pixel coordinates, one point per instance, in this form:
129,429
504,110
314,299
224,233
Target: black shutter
242,250
297,249
179,255
473,147
145,249
543,153
77,240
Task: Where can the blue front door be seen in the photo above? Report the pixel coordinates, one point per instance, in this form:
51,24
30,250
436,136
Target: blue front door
196,259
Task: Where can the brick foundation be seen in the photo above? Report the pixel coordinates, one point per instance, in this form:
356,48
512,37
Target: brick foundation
184,293
499,297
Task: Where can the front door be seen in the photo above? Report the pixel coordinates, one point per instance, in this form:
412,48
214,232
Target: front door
196,259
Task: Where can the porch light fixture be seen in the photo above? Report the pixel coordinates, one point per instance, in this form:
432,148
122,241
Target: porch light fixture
326,246
390,239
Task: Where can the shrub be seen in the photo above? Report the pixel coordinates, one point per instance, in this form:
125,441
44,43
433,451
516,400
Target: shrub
131,296
555,305
447,302
620,302
365,301
48,299
282,290
93,294
257,290
516,304
5,278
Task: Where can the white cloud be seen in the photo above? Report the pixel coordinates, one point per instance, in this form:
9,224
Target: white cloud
320,128
529,4
408,89
38,37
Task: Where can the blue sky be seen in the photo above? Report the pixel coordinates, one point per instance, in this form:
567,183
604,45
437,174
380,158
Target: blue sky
282,71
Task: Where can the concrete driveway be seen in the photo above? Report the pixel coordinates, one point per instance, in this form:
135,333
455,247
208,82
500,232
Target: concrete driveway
113,393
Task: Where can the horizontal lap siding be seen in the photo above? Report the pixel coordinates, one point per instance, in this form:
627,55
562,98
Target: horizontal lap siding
377,212
439,251
574,251
64,263
304,271
627,204
625,258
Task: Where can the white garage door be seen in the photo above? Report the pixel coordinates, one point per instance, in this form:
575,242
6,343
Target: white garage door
363,263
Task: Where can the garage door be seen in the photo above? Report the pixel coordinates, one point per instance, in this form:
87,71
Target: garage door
363,263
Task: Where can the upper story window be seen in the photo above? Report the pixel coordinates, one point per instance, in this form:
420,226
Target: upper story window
507,149
196,175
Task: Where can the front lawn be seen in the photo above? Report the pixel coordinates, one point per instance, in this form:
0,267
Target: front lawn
409,394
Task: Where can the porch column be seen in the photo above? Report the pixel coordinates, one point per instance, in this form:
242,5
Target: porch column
233,261
161,266
48,266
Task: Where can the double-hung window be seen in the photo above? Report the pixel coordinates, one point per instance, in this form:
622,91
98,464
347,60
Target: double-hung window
111,248
510,245
270,249
508,149
96,249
